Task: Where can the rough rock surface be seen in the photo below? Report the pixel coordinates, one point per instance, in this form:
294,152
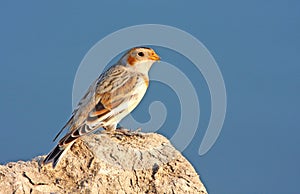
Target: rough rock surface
105,163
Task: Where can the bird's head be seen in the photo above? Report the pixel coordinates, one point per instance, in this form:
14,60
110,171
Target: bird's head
140,59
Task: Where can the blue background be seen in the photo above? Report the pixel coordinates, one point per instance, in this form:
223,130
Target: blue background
255,43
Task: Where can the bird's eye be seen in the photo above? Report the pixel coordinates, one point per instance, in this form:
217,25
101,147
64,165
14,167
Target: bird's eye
141,54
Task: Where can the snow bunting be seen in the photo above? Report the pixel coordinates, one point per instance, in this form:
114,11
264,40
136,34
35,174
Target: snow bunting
108,100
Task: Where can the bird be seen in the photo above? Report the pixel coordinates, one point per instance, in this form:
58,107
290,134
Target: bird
112,96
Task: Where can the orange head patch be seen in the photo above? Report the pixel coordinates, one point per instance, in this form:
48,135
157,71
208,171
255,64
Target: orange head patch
131,60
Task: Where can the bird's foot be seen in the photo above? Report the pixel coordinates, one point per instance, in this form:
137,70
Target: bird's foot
127,132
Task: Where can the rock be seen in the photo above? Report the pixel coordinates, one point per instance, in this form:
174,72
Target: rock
105,163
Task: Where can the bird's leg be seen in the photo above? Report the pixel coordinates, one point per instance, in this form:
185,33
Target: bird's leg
110,129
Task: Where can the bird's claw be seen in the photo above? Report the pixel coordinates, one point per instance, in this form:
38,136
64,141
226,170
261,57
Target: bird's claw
128,132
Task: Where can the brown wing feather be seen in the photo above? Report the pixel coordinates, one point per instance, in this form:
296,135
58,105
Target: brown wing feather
105,94
110,90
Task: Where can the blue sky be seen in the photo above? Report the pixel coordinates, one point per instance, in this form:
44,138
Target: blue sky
255,43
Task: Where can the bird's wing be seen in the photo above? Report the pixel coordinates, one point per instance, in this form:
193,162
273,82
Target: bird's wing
77,117
107,96
64,127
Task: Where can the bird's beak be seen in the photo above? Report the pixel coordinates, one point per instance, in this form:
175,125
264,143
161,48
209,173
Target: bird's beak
154,57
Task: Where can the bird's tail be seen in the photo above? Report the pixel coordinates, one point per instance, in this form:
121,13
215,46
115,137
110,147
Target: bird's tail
60,149
56,154
65,143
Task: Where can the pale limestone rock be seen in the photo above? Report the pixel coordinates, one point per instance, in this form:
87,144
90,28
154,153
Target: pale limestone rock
104,163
